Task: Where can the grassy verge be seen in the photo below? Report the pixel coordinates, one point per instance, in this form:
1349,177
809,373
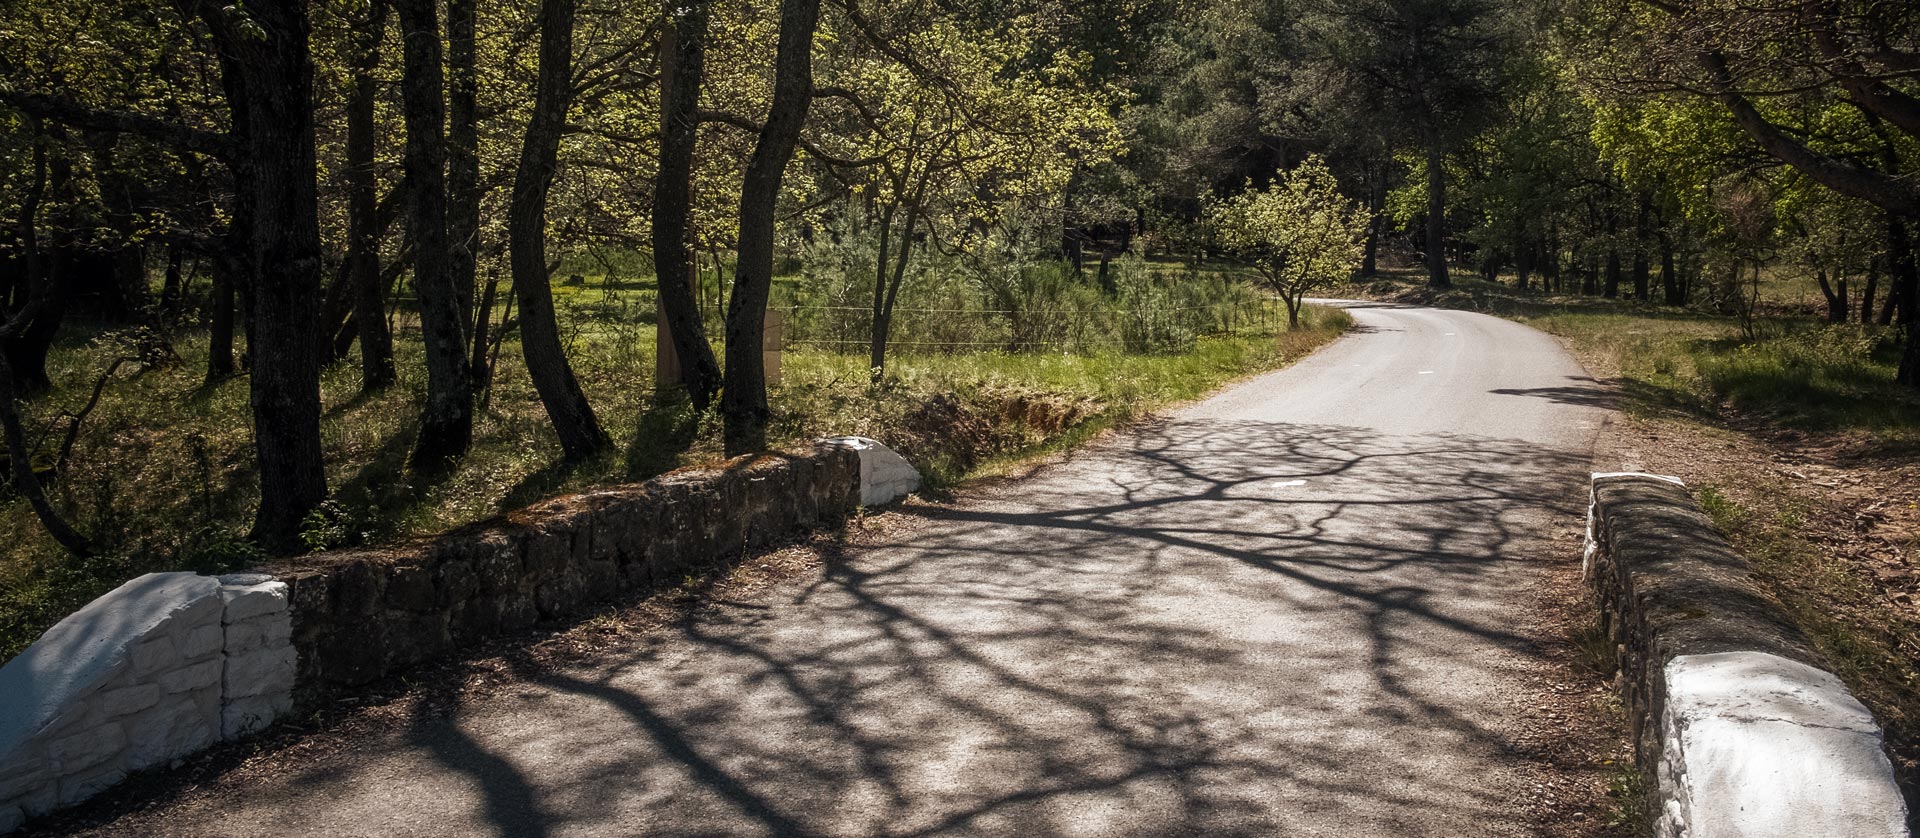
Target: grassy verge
1792,372
1871,642
162,469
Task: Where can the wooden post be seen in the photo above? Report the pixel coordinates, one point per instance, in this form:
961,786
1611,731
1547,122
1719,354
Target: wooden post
666,364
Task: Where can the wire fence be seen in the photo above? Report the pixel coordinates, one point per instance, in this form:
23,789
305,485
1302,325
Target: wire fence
1033,330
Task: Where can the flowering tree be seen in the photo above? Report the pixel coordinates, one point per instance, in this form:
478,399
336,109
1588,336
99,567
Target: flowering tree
1300,233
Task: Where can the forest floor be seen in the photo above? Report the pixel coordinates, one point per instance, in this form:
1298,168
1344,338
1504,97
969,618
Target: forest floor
1796,441
162,467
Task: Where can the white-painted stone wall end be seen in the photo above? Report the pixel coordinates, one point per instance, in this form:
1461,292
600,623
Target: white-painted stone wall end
884,475
1756,746
160,668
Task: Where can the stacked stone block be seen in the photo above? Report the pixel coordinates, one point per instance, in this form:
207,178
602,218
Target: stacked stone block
144,675
1735,719
362,615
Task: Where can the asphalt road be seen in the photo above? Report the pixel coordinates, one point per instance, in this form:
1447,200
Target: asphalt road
1291,609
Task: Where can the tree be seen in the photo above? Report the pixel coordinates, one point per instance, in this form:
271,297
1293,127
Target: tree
1300,234
1437,66
567,406
683,62
446,422
743,404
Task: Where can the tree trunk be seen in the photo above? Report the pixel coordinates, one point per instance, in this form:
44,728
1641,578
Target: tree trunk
28,340
1872,290
1642,270
882,313
233,261
268,76
1370,256
481,371
364,283
1669,275
1437,216
567,407
170,287
1836,302
743,404
446,423
25,481
463,153
683,60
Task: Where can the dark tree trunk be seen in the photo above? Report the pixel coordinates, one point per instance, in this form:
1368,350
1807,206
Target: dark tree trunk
268,76
31,330
477,348
1872,290
1669,275
1642,269
567,407
882,312
883,303
1437,217
233,261
25,481
1370,256
1837,301
743,404
446,423
463,153
1611,288
367,291
170,288
683,58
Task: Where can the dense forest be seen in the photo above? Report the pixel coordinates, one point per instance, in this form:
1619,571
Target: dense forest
318,204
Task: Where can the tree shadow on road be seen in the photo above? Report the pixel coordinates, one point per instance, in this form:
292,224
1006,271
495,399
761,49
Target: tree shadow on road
1214,627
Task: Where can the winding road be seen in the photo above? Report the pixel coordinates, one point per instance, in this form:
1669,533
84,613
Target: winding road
1295,608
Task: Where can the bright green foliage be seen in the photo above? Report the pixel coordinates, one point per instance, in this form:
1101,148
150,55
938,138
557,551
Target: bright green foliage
1300,234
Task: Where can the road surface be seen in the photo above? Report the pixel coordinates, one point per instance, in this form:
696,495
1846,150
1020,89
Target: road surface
1290,609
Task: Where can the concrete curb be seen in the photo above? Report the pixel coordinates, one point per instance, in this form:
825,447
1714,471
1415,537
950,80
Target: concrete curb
1734,715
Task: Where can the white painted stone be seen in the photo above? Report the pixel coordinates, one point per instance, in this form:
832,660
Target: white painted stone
125,700
184,724
263,672
253,598
251,714
1758,746
1605,475
270,631
77,787
22,776
158,653
86,749
202,641
203,674
884,475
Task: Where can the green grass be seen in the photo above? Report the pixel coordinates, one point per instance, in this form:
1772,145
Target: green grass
1795,372
163,472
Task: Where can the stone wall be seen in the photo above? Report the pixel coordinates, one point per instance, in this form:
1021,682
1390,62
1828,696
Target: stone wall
361,615
171,663
159,668
1734,718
